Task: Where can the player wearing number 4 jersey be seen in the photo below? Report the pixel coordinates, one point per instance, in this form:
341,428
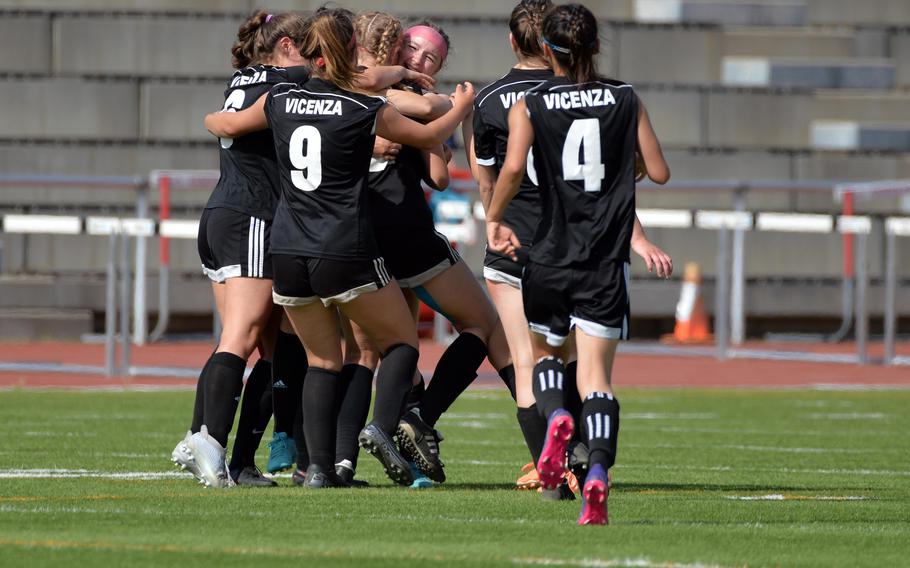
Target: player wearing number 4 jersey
585,131
324,253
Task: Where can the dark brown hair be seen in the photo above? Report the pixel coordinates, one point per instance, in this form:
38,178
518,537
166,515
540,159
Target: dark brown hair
377,32
525,22
258,35
570,31
330,35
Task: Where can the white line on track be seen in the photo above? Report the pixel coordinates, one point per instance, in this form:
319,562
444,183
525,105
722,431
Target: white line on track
597,563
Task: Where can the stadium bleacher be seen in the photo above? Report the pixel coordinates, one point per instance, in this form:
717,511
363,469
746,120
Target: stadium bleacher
740,90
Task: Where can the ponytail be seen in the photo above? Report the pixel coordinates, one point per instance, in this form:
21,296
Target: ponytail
570,31
260,33
329,43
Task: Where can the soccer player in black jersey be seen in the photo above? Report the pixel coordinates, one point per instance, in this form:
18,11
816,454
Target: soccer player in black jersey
324,253
486,143
421,259
585,131
233,245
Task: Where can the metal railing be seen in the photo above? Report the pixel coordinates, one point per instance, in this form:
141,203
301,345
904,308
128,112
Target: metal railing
731,227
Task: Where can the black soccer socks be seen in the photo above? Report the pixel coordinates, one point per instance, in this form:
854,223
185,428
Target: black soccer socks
355,390
253,418
319,392
393,381
548,381
288,371
534,428
223,383
600,419
455,371
507,374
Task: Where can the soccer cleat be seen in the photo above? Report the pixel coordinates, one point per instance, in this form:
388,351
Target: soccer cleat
209,457
421,442
561,493
421,481
572,482
318,478
298,477
530,480
345,473
594,504
578,461
552,464
183,457
251,476
282,453
381,446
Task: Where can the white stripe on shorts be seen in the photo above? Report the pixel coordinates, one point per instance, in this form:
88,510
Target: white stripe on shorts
261,246
251,247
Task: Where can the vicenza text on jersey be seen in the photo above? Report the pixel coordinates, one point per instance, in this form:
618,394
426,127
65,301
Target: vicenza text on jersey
312,106
578,99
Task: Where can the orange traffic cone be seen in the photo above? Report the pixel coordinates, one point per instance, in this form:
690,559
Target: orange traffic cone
691,317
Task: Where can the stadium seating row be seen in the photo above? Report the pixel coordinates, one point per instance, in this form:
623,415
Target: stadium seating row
729,12
52,108
193,47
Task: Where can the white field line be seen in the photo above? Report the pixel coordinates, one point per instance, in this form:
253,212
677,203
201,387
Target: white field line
88,473
669,416
756,431
619,562
111,388
846,416
781,497
725,468
748,448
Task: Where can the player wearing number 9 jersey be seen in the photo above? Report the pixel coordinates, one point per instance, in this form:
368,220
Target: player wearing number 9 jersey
324,253
584,130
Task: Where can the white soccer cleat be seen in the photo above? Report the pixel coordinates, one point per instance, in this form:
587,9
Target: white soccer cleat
183,457
209,457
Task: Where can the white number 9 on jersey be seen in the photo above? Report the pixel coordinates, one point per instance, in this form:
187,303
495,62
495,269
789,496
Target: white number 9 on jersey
232,103
308,176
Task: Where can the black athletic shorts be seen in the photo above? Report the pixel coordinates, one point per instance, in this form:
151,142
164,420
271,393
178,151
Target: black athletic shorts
500,268
594,296
415,257
301,280
233,244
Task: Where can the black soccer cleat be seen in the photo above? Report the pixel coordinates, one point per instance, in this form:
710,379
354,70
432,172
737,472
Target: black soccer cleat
578,461
381,446
346,475
250,476
421,442
562,493
319,478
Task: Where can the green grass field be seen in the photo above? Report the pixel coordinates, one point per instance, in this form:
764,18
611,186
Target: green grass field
704,478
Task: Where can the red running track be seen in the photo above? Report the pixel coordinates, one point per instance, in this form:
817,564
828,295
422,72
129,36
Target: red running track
630,370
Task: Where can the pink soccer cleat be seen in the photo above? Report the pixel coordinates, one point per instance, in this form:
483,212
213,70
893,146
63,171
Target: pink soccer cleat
595,493
552,463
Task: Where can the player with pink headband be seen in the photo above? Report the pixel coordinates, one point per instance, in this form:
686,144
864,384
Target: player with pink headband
426,49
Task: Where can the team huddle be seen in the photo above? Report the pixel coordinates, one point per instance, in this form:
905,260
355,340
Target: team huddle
320,245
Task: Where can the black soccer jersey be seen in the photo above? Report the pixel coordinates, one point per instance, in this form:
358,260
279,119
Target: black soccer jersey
324,138
491,133
397,200
249,176
584,151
